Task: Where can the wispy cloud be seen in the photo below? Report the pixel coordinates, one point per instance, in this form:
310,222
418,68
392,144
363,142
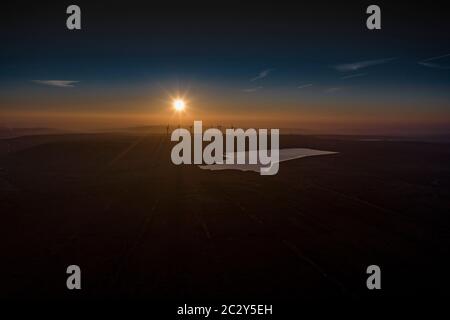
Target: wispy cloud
437,57
57,83
252,89
357,75
333,90
434,65
302,86
262,75
361,64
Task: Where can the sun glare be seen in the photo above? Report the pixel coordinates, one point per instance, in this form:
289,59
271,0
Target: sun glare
179,104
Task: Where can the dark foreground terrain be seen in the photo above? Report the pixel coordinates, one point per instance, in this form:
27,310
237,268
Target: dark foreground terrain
141,227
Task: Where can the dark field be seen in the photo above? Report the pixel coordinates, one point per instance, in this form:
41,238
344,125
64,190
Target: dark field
141,227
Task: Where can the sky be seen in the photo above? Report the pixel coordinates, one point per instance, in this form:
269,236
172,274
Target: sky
310,66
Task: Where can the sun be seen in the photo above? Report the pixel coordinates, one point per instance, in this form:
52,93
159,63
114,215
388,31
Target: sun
179,104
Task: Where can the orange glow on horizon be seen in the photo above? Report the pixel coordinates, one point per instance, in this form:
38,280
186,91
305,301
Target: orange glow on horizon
307,122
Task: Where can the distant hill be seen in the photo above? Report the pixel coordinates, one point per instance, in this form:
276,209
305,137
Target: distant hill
6,133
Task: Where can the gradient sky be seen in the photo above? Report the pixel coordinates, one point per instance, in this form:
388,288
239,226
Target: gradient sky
309,66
